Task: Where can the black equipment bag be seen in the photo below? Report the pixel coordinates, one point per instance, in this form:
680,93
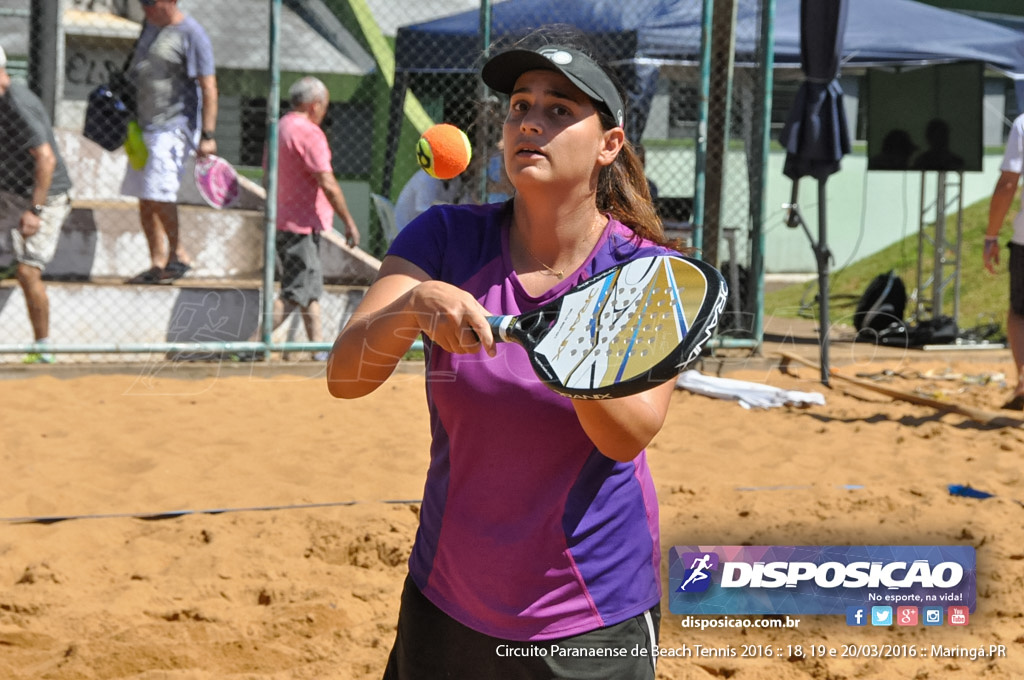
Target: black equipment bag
942,330
110,108
883,303
106,118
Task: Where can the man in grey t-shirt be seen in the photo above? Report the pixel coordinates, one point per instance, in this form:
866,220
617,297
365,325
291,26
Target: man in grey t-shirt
176,97
34,199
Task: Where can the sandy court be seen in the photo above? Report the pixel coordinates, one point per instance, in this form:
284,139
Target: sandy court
308,586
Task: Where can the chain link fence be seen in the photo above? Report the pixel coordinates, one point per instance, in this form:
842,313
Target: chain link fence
390,71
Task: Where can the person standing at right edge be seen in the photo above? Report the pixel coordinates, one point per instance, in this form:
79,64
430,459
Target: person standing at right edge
176,99
1002,198
539,523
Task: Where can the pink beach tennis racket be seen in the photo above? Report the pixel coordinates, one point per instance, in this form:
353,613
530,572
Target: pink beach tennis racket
216,181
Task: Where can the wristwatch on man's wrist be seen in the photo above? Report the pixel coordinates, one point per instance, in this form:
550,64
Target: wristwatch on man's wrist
206,135
37,210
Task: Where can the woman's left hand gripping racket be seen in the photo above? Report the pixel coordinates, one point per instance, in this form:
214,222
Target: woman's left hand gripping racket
216,181
624,331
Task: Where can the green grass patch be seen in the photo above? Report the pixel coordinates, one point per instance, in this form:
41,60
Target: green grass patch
414,355
983,297
252,172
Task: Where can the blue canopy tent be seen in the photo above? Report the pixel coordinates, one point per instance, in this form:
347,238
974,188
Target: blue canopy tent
641,35
878,33
906,33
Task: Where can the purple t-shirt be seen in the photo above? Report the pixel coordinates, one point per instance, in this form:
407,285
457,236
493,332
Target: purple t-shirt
527,532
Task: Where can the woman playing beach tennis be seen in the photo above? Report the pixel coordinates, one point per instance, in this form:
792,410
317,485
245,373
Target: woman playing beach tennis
537,554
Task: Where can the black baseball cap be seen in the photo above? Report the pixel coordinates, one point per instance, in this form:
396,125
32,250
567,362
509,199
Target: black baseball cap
502,70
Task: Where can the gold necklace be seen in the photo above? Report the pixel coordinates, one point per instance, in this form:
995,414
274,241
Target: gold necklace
559,273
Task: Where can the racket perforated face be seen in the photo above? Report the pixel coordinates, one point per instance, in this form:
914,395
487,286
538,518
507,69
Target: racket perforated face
630,328
216,181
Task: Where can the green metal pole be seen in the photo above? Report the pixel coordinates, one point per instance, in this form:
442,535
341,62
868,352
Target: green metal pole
700,172
758,207
482,133
217,347
701,148
270,219
485,26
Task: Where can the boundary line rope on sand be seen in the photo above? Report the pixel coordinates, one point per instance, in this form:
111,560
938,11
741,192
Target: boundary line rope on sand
171,514
954,490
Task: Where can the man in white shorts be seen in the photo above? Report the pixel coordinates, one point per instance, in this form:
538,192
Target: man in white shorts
176,99
34,200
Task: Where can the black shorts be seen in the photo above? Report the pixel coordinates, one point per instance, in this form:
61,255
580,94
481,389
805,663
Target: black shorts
1017,279
430,645
298,261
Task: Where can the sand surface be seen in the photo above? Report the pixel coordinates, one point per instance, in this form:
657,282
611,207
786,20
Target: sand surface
300,577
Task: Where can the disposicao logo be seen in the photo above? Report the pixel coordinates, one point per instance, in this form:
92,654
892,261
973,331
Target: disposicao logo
697,576
819,579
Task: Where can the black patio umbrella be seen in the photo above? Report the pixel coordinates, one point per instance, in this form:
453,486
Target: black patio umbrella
815,134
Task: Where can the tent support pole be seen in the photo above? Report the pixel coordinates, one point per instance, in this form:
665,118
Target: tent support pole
823,256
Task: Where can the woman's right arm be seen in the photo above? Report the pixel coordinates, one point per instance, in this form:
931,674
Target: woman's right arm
402,303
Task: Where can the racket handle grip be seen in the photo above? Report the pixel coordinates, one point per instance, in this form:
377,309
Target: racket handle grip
500,326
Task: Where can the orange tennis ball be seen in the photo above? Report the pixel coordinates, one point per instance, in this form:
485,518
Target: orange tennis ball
443,151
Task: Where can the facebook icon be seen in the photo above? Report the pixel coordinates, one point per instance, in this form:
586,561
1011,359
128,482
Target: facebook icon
856,616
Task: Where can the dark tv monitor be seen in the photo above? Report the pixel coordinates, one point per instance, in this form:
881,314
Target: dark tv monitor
929,118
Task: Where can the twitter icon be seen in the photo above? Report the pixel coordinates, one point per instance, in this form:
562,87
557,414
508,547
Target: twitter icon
881,616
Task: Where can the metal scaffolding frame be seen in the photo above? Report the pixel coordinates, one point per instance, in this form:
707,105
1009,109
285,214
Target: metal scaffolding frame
948,193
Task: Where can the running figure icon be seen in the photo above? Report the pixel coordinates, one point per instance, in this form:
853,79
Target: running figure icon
699,569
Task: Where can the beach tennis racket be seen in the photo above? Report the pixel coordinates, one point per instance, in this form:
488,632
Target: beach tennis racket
216,181
623,331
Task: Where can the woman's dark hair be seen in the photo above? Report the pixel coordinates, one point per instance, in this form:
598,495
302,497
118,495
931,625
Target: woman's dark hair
622,188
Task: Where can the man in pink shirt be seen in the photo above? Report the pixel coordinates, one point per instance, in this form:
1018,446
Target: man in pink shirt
308,197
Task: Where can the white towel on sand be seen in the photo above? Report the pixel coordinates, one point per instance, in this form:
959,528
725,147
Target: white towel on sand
748,394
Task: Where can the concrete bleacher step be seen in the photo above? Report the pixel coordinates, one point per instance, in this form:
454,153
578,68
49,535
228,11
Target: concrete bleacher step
103,239
108,313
